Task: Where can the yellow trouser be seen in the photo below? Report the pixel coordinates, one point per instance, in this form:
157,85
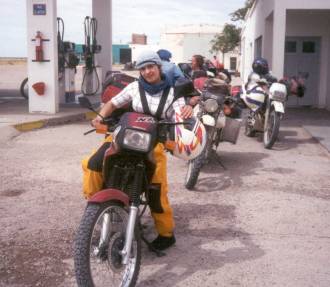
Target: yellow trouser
93,182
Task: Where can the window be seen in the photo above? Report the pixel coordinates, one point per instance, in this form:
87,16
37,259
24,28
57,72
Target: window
233,63
308,47
290,47
258,47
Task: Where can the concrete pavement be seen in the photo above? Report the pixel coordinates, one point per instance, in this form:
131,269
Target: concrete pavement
15,118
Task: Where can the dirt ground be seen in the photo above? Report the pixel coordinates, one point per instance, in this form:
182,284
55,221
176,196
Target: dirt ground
261,221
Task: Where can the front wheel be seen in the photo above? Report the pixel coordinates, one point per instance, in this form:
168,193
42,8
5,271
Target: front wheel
99,240
272,128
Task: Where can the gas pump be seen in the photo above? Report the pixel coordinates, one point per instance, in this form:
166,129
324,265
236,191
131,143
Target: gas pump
92,73
67,65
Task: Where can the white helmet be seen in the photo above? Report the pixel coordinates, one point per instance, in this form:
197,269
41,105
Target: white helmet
190,138
255,97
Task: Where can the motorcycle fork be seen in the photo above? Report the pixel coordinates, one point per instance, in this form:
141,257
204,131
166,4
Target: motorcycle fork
105,230
133,213
266,118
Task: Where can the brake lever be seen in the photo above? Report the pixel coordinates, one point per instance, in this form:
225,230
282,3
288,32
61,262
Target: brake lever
90,131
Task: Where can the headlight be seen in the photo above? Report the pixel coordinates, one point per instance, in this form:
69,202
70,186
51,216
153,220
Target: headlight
136,140
211,105
278,96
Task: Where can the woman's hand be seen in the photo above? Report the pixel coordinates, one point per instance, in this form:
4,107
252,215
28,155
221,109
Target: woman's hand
186,112
106,111
96,122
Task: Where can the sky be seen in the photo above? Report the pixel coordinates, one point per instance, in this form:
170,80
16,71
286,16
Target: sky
148,17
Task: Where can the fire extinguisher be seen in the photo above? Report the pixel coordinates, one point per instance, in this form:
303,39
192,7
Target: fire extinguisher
39,51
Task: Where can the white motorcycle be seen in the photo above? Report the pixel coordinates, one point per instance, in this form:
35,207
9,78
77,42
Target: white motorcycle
216,110
266,103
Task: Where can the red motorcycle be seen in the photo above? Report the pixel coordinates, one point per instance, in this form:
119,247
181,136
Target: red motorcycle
107,249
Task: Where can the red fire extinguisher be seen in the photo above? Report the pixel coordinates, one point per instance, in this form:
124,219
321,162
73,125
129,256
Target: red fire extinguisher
39,51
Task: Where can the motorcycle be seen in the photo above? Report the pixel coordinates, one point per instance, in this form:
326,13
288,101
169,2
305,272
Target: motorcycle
107,249
219,113
265,99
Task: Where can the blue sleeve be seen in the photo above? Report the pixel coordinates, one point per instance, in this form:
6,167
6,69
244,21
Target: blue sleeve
177,73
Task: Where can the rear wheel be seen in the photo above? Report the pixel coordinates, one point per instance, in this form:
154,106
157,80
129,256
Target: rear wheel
194,168
24,89
99,240
272,128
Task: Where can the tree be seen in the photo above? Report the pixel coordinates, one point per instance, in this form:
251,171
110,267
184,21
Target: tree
239,14
227,41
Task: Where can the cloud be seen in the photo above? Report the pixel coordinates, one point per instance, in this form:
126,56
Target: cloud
129,16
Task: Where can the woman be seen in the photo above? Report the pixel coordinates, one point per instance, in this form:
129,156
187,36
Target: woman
197,63
152,85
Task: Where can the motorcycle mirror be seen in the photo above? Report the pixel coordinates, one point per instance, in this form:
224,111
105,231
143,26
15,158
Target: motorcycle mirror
183,87
85,103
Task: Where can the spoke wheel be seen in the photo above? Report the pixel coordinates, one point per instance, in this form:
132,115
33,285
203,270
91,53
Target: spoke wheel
99,240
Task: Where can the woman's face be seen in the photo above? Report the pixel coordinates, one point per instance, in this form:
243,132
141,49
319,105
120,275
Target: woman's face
151,73
194,64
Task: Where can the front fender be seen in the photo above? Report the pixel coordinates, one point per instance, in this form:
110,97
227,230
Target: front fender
109,194
278,106
208,120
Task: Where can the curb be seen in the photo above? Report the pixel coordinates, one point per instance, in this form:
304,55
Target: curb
318,137
56,121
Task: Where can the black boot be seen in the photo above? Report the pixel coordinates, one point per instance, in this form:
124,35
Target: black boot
163,242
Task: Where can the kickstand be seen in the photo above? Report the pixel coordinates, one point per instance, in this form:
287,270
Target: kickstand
151,248
217,157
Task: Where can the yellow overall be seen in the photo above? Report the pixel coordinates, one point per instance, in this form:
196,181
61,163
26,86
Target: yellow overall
164,222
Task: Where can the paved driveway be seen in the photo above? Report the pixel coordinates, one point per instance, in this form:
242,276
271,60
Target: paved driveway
263,221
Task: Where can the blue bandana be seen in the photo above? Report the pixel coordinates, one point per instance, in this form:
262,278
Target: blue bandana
153,89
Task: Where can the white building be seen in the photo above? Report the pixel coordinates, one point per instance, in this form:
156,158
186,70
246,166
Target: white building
293,35
188,40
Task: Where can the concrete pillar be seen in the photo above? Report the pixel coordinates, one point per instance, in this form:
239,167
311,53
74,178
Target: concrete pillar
324,72
102,11
41,16
279,29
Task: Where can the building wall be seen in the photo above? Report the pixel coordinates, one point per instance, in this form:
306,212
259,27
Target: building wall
197,44
173,43
255,27
274,20
184,45
137,49
139,39
116,52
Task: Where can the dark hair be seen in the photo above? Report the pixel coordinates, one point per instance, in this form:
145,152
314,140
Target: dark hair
199,60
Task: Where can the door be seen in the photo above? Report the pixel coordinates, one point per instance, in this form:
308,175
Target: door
302,58
125,55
